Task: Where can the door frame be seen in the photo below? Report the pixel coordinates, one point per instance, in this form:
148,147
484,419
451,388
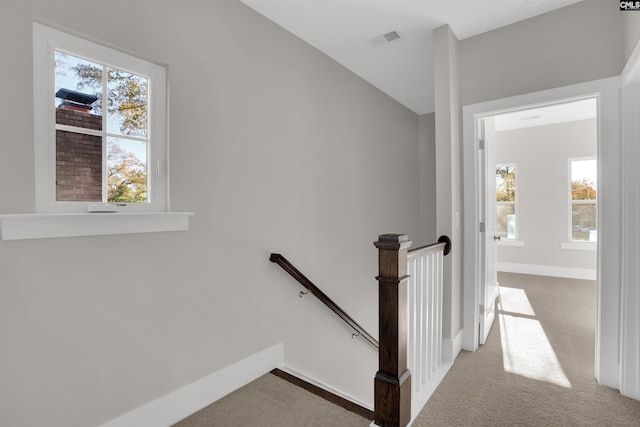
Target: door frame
630,298
607,369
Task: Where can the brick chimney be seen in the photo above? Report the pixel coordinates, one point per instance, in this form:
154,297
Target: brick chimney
78,155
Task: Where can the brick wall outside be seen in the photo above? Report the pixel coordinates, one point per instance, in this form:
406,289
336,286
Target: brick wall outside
78,158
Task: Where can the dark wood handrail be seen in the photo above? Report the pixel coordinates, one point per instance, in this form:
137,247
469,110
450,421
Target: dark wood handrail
443,242
304,281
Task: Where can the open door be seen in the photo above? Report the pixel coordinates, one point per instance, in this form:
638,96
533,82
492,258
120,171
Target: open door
609,327
488,275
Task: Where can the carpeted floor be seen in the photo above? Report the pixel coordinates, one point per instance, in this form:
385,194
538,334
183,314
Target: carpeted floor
536,369
272,401
514,381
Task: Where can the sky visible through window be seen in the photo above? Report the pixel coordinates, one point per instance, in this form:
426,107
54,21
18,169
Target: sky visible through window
67,78
586,170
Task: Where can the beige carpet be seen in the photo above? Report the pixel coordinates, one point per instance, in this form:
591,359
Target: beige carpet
537,313
535,370
272,401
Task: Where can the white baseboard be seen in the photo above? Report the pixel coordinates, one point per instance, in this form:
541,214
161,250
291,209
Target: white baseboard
451,347
417,404
547,270
189,399
326,387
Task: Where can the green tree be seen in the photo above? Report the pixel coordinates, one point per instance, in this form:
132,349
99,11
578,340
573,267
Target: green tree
583,190
126,177
127,96
126,104
506,184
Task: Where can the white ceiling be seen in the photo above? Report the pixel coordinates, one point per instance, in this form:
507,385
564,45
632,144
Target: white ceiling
547,115
351,32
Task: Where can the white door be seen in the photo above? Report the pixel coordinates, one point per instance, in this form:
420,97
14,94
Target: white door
488,275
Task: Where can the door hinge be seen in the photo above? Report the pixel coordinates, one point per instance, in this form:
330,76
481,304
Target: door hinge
483,227
481,144
481,310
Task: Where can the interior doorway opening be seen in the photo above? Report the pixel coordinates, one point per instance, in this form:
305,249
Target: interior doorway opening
538,178
541,215
546,187
607,233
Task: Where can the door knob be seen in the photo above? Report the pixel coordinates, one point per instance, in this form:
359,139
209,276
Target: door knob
496,237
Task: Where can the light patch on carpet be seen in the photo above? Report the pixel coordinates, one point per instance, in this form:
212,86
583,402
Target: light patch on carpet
515,300
526,351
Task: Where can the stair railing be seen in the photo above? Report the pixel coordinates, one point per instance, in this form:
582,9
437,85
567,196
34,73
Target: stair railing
399,318
304,281
410,322
424,340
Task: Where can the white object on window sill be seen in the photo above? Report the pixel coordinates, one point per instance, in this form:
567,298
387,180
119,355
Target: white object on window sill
102,208
41,226
583,246
510,242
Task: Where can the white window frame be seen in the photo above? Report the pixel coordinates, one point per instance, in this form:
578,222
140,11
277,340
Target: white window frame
571,241
45,42
515,204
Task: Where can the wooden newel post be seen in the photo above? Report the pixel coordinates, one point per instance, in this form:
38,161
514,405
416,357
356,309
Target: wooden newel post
392,400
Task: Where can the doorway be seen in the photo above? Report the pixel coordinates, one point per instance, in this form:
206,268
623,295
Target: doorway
546,189
538,169
478,237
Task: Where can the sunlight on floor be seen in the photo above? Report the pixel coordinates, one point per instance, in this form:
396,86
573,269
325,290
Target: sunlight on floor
526,349
515,300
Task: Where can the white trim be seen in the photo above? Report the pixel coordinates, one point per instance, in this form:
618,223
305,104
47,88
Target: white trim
630,296
471,230
324,386
578,245
631,71
189,399
547,270
451,348
417,404
93,132
46,41
609,201
42,226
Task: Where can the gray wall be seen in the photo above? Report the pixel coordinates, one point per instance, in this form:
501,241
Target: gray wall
575,44
427,135
274,146
448,173
542,156
631,31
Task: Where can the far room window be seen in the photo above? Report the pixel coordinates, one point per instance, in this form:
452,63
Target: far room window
506,201
100,118
584,214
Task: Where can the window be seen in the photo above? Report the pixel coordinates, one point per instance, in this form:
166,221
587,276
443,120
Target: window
583,190
506,201
100,118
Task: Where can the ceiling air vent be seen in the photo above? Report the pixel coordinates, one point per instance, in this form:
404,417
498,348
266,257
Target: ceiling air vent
393,35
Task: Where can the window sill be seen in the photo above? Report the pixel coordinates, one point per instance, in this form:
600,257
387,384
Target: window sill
582,246
42,226
510,242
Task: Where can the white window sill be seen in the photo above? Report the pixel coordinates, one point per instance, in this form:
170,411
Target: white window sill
582,246
42,226
510,242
